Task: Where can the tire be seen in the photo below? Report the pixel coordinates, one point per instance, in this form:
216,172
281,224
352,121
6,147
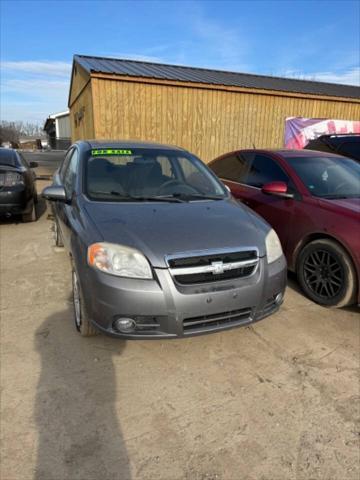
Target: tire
326,274
57,234
81,319
31,216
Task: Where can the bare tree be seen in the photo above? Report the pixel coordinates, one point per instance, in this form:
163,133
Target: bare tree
9,133
13,131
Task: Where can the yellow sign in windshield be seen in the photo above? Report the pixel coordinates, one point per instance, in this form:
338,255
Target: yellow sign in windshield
110,151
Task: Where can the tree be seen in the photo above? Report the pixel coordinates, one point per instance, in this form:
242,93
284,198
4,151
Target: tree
13,131
9,133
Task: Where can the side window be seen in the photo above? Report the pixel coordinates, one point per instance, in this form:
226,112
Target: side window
70,173
65,163
351,149
263,170
233,167
194,175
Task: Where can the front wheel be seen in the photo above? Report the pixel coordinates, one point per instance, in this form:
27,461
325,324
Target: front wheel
326,274
57,234
82,322
31,216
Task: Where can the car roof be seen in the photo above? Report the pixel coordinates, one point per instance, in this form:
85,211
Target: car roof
130,144
288,152
341,135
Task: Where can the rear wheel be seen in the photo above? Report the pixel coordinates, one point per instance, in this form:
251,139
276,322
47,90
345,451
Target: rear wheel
326,274
82,322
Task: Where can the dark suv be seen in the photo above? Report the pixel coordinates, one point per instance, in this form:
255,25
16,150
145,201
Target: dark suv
347,144
18,194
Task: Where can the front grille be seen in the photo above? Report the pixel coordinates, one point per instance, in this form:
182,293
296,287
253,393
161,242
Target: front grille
213,267
210,277
234,317
202,260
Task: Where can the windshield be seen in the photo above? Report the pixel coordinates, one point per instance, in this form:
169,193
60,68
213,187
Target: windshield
144,174
8,157
328,177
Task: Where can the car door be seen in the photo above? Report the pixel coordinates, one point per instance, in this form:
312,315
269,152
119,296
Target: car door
65,211
276,210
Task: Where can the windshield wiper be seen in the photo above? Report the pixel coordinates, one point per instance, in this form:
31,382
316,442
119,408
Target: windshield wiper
197,196
133,198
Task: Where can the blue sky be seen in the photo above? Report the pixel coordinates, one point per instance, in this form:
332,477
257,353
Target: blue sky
317,40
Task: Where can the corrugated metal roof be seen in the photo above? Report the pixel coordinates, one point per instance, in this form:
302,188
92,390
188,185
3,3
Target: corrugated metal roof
136,68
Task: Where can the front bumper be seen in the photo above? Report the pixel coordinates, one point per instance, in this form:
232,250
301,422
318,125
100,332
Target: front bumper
163,309
14,200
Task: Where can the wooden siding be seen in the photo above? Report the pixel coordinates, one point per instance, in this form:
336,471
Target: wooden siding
83,128
79,78
207,121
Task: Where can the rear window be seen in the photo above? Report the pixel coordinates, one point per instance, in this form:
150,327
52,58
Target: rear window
351,149
8,157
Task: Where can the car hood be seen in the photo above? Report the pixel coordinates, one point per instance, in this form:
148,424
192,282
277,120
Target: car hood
160,229
348,205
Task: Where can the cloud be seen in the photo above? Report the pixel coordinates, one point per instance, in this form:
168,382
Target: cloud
349,76
223,42
32,90
209,42
36,88
58,69
135,56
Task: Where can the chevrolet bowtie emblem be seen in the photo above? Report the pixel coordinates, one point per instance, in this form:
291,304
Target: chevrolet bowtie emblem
218,268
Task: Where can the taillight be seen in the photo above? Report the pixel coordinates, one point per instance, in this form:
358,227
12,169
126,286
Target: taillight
10,179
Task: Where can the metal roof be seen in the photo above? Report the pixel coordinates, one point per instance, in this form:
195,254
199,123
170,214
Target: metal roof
129,144
134,68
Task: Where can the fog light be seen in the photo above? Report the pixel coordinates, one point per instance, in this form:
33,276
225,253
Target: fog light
279,298
124,325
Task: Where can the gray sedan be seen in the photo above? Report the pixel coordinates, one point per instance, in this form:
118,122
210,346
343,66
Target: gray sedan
158,246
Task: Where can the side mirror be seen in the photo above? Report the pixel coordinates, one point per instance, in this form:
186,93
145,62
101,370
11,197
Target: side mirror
279,189
34,164
54,193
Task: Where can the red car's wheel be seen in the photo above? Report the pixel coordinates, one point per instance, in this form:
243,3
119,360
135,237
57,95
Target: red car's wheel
326,274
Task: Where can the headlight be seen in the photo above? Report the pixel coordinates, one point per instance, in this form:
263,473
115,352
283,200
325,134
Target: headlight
119,260
273,246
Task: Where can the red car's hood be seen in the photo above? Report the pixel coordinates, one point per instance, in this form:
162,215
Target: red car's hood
350,204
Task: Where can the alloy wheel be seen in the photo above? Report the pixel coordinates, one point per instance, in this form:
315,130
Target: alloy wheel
323,274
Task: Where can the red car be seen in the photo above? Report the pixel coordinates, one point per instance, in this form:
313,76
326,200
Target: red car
312,200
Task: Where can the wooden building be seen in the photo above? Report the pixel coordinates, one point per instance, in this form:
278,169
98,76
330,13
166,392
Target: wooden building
208,112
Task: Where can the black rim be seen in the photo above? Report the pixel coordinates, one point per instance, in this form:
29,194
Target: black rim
323,274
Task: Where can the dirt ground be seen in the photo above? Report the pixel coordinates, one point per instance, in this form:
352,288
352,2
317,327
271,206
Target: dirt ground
277,400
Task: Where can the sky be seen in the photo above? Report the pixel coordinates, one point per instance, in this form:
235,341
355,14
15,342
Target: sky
309,39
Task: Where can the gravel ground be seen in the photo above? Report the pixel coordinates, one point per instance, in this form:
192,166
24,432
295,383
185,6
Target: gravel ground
277,400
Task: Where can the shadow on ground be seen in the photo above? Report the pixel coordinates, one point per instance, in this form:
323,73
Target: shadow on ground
79,436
